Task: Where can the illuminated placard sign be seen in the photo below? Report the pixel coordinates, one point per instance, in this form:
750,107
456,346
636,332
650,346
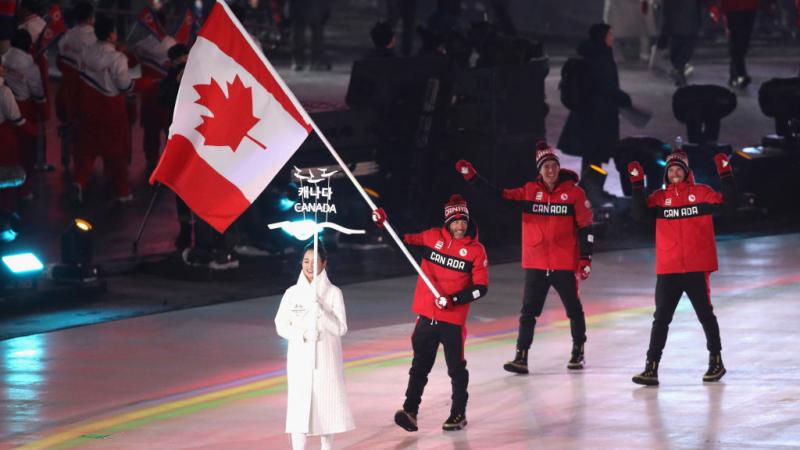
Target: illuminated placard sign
315,196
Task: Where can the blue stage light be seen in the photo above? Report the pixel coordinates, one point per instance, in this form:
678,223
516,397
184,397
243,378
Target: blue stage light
9,224
23,263
285,204
661,162
8,235
753,150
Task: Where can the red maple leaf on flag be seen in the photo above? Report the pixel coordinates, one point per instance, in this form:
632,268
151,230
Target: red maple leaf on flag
232,117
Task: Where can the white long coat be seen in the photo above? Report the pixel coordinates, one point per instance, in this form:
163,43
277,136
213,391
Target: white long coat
317,398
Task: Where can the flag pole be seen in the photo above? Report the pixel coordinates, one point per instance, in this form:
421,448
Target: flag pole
328,145
372,206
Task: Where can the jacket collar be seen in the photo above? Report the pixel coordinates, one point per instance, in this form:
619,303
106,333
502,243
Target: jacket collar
466,240
322,280
566,178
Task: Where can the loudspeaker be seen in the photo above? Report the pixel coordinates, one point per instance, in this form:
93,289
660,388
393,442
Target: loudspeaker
701,107
771,173
779,98
354,134
506,102
388,84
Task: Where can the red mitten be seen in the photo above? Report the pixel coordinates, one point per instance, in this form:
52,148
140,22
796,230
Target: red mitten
466,169
379,217
444,302
724,169
636,174
584,268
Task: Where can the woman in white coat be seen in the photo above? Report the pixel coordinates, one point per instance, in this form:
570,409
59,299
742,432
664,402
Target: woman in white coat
313,323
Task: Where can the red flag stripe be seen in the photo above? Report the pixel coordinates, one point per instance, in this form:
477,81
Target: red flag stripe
205,191
217,30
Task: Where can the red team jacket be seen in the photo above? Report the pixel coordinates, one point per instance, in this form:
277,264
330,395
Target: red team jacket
550,222
684,227
452,265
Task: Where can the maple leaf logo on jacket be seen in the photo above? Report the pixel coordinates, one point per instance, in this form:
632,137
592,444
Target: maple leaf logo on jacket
232,117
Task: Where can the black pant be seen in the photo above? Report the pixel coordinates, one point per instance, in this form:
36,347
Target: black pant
740,24
537,283
681,49
425,341
669,289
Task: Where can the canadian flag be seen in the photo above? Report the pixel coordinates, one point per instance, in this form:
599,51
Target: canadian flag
235,124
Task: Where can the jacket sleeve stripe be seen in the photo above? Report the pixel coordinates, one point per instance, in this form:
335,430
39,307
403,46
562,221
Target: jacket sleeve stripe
448,262
684,212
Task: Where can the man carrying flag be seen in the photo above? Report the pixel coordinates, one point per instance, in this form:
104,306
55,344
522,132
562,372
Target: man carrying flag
456,261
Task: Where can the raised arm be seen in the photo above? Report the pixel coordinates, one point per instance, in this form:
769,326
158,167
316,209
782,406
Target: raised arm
584,220
730,198
639,210
513,198
379,216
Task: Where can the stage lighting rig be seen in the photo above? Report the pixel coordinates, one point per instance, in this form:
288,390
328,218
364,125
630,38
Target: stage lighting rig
77,254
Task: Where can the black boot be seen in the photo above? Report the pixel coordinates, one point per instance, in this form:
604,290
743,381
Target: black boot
576,361
715,368
406,420
650,375
456,421
519,364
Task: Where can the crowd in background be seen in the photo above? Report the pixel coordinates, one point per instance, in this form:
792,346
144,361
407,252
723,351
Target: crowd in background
97,100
